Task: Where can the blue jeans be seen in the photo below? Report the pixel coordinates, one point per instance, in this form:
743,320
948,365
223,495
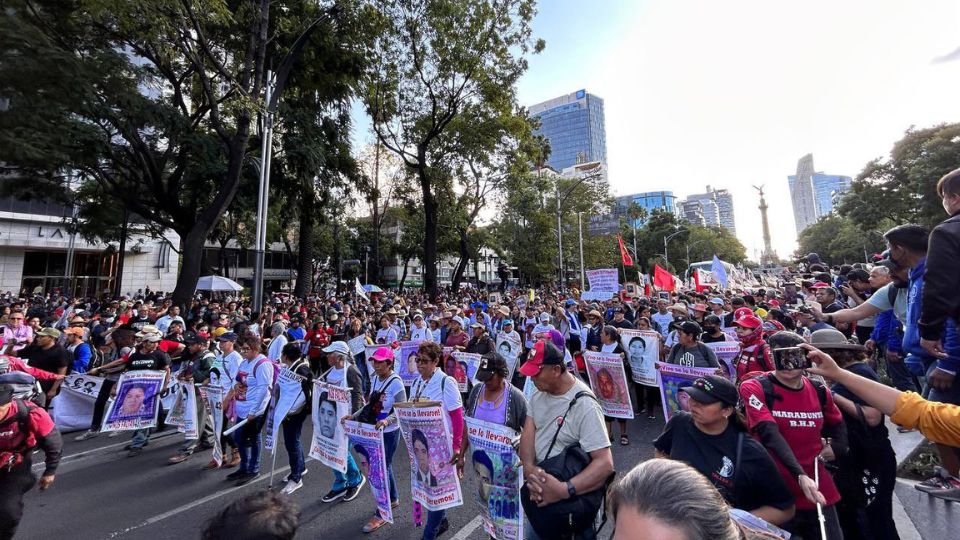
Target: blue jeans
351,479
902,378
140,437
360,359
390,441
292,426
248,444
434,519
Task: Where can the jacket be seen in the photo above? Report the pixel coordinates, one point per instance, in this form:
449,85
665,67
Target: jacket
941,279
911,333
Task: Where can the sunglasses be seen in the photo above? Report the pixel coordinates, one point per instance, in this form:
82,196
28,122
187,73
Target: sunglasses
424,360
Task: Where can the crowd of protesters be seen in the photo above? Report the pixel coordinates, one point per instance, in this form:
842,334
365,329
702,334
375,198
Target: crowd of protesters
804,448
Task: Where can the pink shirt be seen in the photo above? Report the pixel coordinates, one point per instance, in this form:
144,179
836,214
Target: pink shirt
20,334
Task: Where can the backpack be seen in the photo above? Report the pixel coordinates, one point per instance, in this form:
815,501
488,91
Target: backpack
770,395
96,357
12,458
25,387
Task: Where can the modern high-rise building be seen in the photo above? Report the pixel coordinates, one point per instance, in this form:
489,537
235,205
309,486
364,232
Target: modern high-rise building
575,127
693,212
723,201
802,195
648,201
825,191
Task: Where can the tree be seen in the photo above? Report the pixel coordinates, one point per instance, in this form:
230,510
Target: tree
838,239
385,173
432,62
902,188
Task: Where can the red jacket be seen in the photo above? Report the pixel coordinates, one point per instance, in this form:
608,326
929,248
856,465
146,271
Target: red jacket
17,364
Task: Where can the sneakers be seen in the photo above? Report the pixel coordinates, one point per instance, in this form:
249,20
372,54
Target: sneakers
291,487
936,482
113,434
179,458
950,492
333,495
88,434
287,478
247,477
352,492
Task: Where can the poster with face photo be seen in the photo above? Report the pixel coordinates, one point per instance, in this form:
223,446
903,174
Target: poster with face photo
406,365
608,380
498,473
643,351
727,352
371,458
510,349
137,402
433,480
470,361
72,408
673,379
329,443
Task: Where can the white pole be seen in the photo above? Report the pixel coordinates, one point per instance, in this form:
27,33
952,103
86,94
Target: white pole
263,196
583,275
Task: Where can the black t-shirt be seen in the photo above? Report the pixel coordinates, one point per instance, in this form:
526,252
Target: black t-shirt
156,360
52,360
865,371
707,338
758,483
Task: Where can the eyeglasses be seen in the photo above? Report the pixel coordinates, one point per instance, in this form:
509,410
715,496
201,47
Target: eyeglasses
424,360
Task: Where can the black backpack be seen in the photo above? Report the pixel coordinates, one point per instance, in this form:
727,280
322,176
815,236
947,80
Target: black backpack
11,458
770,394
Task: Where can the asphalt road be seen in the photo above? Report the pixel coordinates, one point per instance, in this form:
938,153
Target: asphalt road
100,493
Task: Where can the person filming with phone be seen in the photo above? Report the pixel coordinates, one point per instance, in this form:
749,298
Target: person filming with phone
796,420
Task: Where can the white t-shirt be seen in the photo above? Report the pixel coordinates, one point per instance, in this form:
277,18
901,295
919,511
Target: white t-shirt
447,393
392,393
420,334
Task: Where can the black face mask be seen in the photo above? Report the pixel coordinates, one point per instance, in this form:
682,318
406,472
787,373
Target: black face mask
710,329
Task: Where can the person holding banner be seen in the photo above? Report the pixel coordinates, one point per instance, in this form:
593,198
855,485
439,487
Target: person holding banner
689,351
433,385
146,357
121,343
252,390
292,424
386,388
494,400
713,438
343,373
222,374
197,364
610,343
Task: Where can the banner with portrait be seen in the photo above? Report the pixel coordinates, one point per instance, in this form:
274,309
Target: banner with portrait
510,350
727,352
289,397
212,396
329,443
138,401
72,408
673,379
433,479
608,380
183,414
367,441
528,388
470,363
643,352
406,361
169,394
499,476
369,351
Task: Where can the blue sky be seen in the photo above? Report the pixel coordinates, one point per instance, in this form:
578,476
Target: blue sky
733,93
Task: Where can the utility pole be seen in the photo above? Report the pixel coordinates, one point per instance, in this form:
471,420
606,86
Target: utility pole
263,194
580,232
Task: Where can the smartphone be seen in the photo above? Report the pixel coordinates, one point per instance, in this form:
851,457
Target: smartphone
790,358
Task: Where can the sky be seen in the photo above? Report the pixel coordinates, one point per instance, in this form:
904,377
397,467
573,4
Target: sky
731,94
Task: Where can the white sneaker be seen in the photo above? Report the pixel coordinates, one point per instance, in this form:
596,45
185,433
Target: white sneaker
88,434
113,434
304,473
291,487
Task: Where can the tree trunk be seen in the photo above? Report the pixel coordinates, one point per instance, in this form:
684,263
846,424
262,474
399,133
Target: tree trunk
462,263
476,269
304,284
338,266
374,276
191,260
430,221
403,277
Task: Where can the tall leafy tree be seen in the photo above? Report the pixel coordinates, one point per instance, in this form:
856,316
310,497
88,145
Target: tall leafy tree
432,62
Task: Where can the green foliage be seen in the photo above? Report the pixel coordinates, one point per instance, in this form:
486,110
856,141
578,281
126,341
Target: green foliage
838,239
902,188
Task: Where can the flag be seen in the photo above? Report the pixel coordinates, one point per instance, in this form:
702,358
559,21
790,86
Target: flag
359,290
624,254
719,272
662,279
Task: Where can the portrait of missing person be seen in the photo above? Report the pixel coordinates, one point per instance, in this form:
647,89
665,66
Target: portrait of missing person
606,385
327,416
683,398
134,401
412,363
483,465
505,349
421,454
636,349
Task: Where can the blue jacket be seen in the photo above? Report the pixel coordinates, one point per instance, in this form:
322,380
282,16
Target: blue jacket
911,331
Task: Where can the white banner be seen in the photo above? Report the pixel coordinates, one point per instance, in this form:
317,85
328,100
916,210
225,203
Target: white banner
290,398
643,352
213,399
604,283
470,363
329,444
72,408
137,403
183,414
510,349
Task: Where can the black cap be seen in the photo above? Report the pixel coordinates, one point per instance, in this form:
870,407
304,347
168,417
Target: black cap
6,393
690,327
193,337
228,336
491,364
713,388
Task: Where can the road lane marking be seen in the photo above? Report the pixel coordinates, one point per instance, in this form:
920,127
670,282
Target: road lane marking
468,529
79,456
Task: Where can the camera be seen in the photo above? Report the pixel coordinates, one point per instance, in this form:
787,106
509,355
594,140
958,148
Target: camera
789,358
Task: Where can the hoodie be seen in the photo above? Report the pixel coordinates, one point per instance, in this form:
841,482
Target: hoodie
911,331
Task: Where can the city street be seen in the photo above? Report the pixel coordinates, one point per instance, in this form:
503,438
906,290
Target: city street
100,493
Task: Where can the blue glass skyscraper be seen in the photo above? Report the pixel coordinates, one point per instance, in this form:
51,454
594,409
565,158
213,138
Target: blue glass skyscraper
575,127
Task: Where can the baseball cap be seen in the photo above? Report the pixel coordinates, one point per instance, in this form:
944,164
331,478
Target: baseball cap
544,317
820,285
749,321
678,307
742,312
717,301
457,320
49,332
192,338
887,262
477,325
545,354
507,322
228,336
690,327
490,364
75,330
382,354
339,347
713,389
700,307
570,302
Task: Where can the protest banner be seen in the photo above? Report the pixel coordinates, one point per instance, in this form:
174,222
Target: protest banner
406,365
72,408
673,379
183,414
643,351
367,440
358,344
510,350
169,394
369,350
471,361
137,403
499,475
458,370
529,388
608,380
288,396
329,444
212,396
604,283
433,480
727,352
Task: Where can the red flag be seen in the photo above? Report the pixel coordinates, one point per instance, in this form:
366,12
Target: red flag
624,254
662,279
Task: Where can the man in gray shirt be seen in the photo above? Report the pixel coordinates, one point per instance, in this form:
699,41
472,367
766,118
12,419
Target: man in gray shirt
584,424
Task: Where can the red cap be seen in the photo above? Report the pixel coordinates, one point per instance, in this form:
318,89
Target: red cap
821,285
544,354
742,312
750,321
774,303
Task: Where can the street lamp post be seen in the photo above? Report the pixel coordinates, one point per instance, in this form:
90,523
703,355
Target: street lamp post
560,201
666,240
580,233
693,244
